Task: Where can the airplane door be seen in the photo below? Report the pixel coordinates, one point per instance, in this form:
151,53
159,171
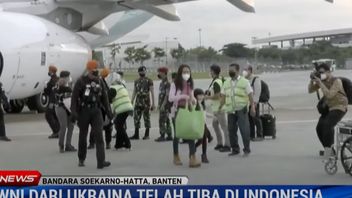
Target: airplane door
9,64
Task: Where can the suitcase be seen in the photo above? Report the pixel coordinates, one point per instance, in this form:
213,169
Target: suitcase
268,122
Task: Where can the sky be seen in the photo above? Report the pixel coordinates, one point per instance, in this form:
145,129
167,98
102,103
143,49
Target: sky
223,23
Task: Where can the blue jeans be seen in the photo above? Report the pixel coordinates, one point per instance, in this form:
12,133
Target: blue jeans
236,120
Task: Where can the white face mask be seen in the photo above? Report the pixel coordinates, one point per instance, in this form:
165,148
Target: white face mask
245,73
323,76
186,77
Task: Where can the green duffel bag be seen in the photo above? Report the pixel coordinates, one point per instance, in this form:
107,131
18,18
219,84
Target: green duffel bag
189,125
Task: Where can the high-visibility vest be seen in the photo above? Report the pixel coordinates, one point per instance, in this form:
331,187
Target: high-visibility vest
215,104
122,102
236,97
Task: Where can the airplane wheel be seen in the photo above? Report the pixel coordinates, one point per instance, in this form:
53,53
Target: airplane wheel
16,106
38,103
346,156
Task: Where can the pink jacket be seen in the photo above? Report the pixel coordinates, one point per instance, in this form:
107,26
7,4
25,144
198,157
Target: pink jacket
176,96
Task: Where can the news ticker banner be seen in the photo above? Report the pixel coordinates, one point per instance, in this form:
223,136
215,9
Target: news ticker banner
21,184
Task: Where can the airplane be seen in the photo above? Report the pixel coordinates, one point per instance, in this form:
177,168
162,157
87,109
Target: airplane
40,33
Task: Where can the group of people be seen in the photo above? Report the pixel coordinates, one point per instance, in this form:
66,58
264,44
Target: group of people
100,100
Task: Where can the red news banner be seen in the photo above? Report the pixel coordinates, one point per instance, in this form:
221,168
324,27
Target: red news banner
20,178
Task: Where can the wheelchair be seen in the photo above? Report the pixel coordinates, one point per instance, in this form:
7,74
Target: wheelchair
342,148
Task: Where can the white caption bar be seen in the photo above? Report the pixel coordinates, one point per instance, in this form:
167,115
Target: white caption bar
112,180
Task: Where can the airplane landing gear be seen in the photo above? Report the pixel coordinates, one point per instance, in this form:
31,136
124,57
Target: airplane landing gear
38,103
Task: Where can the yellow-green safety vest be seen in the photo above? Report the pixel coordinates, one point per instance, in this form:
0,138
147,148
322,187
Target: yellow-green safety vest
215,104
236,97
122,102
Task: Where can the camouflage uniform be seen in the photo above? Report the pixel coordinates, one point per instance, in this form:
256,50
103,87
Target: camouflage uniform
142,103
164,121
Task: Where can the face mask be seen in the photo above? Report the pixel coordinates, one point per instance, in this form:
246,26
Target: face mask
323,76
95,73
50,74
186,77
232,74
200,98
245,73
141,74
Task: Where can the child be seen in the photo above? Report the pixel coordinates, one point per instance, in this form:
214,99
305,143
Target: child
199,95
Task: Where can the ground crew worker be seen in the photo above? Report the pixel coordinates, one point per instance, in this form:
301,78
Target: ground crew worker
63,91
143,88
5,104
88,97
219,115
237,95
122,107
107,122
50,114
164,106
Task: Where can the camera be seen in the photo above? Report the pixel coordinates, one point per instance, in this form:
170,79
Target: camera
315,73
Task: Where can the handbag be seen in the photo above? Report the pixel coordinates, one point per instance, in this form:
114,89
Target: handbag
322,106
189,125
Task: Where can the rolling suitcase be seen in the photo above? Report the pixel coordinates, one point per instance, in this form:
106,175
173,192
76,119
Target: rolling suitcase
268,122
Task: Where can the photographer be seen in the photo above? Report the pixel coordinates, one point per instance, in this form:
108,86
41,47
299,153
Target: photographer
333,106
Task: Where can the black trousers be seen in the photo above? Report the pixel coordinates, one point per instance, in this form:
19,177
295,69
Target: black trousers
2,124
326,127
50,116
108,134
255,123
122,139
91,117
204,140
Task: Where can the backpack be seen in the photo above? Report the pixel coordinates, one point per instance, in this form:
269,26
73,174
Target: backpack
265,93
347,86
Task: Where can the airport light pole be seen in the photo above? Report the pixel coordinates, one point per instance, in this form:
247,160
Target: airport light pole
200,37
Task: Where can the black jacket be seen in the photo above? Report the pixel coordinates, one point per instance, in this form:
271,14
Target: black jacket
48,91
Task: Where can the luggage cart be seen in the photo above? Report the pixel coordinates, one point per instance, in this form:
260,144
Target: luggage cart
343,147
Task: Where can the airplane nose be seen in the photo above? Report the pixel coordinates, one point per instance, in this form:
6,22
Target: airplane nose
1,63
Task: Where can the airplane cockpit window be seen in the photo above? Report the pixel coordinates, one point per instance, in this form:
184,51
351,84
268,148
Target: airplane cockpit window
1,63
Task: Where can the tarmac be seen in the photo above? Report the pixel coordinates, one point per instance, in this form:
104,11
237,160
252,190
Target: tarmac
291,158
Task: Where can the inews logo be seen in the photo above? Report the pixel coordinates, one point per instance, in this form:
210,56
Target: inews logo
19,178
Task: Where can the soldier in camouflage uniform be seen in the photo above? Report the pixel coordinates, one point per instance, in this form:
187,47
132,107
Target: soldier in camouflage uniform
164,106
143,88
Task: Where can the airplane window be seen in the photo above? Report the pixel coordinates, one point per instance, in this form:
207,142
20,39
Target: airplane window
1,63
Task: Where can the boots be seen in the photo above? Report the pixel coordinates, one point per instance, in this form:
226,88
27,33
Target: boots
136,135
193,163
205,159
177,160
146,135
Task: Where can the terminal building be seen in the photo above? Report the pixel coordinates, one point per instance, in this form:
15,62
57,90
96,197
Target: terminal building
338,37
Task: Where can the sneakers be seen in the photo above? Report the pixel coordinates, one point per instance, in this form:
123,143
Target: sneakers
160,139
103,165
218,147
225,149
81,163
54,136
91,146
134,137
5,139
234,153
70,148
146,138
257,139
169,138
